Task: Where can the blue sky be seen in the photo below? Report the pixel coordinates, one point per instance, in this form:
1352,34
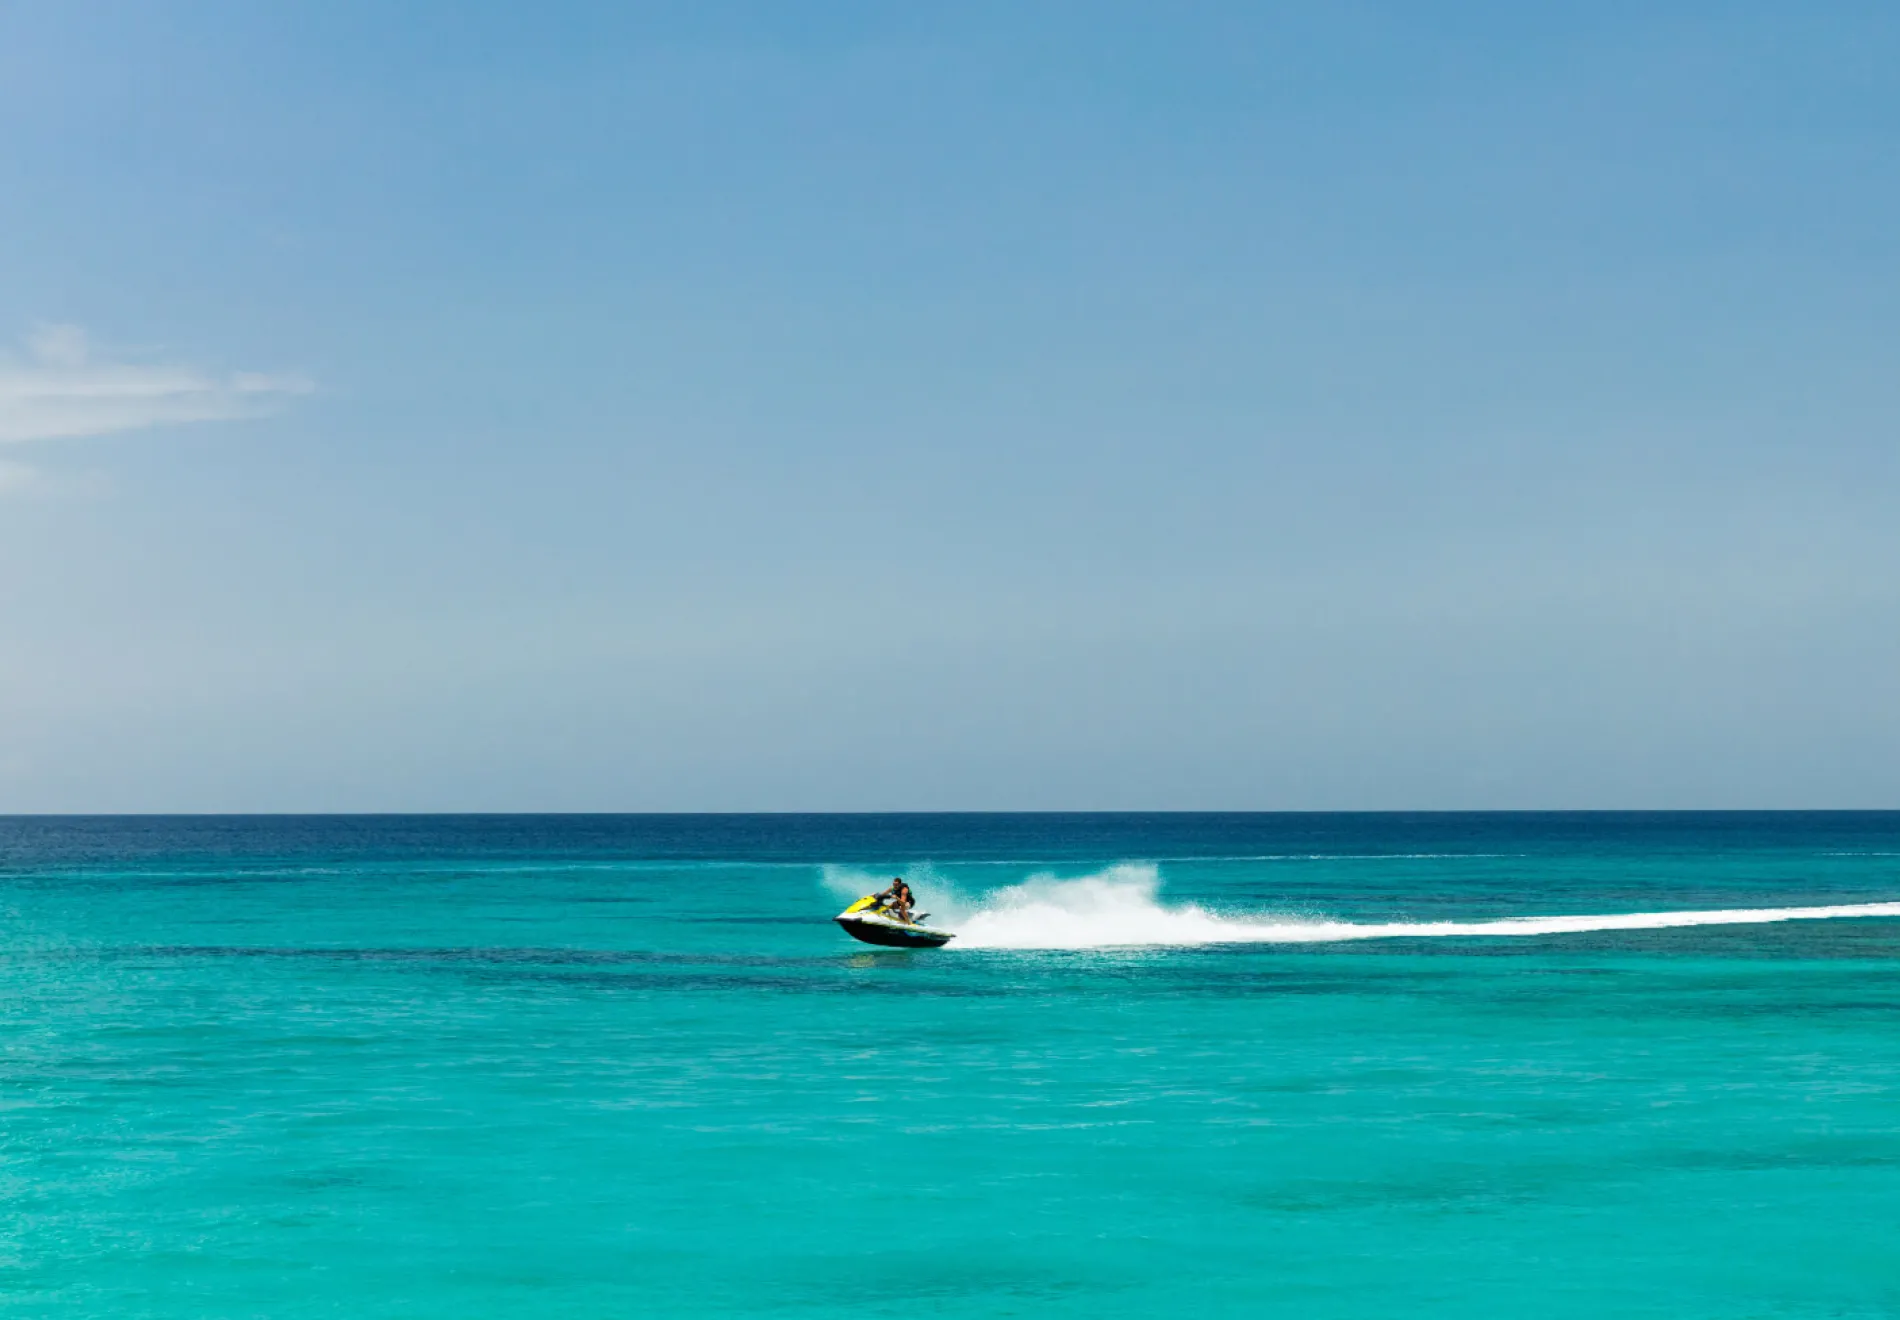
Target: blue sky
754,406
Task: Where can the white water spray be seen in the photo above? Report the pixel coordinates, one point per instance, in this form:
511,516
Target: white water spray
1121,908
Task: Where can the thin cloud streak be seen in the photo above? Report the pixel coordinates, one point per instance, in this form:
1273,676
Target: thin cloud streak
17,477
61,390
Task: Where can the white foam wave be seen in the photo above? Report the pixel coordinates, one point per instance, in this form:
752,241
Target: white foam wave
1121,908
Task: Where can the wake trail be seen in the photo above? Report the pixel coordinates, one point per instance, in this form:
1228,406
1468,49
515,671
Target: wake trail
1190,926
1121,908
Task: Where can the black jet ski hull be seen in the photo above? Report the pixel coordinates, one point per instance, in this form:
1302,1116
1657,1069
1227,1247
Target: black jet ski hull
891,934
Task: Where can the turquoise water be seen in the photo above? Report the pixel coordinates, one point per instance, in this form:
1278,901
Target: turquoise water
626,1066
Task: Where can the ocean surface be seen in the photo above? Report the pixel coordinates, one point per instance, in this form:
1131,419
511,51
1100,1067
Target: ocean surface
1186,1065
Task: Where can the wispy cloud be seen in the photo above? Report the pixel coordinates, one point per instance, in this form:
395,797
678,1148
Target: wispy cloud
61,389
17,477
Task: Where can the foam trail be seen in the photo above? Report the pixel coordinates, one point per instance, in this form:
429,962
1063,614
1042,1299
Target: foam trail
1120,908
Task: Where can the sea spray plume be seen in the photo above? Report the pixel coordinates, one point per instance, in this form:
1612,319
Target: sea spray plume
846,882
1119,906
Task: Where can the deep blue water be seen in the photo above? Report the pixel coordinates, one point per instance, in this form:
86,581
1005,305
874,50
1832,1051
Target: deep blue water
579,1066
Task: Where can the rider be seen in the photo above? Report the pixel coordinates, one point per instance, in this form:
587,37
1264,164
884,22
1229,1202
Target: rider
898,898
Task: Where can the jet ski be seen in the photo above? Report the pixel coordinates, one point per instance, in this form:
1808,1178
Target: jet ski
870,920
